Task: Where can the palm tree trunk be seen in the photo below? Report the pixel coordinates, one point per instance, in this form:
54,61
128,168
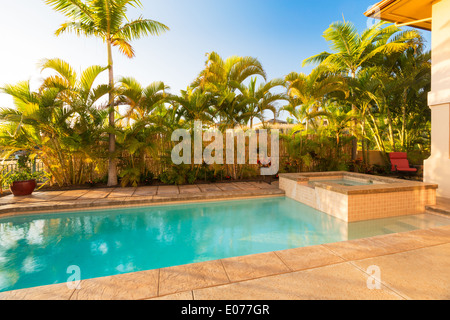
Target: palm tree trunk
378,139
363,140
112,169
391,131
355,124
403,134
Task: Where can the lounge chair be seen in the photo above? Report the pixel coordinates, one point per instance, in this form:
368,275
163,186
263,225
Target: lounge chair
400,163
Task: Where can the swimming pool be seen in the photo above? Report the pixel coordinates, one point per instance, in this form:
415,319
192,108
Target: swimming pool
37,250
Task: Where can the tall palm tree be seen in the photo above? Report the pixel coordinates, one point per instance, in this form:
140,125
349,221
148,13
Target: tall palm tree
107,20
352,51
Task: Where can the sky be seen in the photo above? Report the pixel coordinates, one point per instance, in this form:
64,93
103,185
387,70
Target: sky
280,33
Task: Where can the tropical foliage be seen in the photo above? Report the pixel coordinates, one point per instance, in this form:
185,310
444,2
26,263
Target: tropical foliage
108,21
370,90
62,123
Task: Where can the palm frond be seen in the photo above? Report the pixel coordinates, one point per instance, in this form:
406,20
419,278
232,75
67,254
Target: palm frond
61,67
140,28
73,9
79,28
343,37
316,59
124,47
89,76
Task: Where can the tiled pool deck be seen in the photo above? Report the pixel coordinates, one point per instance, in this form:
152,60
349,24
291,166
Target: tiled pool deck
413,265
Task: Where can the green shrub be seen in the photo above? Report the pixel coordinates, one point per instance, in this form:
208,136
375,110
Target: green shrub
175,175
147,178
248,171
183,174
130,176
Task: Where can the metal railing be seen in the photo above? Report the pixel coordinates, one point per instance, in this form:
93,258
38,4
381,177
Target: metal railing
12,165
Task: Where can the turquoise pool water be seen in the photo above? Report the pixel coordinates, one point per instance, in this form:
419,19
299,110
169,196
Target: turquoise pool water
37,250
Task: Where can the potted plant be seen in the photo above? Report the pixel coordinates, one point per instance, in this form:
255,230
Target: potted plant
21,183
24,182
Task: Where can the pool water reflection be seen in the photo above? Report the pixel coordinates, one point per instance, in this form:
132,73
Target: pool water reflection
37,250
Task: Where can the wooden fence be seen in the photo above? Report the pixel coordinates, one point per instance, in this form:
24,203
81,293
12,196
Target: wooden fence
160,161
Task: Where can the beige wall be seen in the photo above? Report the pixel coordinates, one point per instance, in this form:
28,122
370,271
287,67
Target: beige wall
440,83
375,157
437,167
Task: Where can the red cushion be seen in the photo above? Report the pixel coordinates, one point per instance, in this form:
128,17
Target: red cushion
398,155
401,165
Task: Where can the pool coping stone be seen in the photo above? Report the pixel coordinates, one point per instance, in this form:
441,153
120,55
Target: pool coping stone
387,184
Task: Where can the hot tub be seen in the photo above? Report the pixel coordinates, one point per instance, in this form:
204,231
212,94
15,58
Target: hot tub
357,197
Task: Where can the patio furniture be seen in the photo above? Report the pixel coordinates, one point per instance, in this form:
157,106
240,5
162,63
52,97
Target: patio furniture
400,163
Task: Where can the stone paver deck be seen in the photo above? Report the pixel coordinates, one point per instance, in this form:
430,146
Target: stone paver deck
147,195
442,206
413,265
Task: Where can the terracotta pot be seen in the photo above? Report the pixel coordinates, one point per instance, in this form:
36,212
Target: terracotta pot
23,188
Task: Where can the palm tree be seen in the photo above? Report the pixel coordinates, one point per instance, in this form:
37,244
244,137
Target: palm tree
107,20
352,51
259,99
222,78
338,120
141,101
366,87
194,105
61,123
307,93
407,84
220,74
399,114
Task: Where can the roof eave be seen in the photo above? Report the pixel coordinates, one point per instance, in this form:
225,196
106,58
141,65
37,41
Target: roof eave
381,11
